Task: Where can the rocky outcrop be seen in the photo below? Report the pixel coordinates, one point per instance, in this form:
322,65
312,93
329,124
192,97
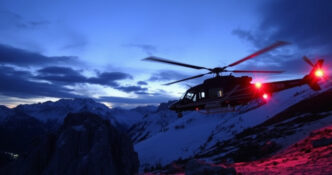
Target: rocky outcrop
19,130
85,144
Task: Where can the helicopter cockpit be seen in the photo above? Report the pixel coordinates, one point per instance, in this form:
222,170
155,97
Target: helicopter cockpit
189,96
194,96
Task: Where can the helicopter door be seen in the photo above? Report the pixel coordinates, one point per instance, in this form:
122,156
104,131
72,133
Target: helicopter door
194,98
216,92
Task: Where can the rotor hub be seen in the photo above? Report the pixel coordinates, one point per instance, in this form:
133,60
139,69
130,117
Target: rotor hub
217,70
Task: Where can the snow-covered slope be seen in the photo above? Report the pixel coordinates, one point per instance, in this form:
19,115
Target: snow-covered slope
131,116
196,133
152,123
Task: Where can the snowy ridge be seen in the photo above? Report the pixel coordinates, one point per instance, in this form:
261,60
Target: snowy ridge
57,111
152,123
132,116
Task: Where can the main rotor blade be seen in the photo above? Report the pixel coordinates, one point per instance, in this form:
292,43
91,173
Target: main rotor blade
306,59
197,76
275,45
254,71
162,60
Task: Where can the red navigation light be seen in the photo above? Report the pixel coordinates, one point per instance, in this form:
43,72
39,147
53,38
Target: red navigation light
258,85
265,96
197,109
319,73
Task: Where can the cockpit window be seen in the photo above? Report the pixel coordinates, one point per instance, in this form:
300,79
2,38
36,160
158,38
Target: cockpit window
189,95
194,98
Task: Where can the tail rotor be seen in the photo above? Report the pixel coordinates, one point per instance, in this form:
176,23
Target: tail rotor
316,73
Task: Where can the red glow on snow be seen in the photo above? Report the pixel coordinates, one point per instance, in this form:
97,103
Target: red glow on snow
258,85
293,160
197,109
319,73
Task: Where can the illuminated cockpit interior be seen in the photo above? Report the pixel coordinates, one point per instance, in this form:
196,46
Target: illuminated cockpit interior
189,95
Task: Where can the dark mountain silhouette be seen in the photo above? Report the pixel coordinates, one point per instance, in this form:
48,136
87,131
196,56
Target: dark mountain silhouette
84,144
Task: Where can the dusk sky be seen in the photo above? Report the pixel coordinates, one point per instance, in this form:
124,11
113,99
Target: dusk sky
70,49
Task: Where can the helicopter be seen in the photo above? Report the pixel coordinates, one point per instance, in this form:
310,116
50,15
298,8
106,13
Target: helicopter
228,91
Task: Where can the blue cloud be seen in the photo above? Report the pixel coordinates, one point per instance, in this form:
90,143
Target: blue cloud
20,57
16,83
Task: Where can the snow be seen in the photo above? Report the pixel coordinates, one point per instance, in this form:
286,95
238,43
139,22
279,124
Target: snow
57,111
130,117
175,143
300,158
195,132
305,130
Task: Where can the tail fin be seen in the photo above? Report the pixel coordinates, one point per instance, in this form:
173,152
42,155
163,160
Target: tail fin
315,74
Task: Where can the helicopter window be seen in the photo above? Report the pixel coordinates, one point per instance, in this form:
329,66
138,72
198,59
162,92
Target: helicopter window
216,92
194,98
202,95
189,95
220,93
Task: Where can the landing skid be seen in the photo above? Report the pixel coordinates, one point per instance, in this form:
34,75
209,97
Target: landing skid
217,110
230,109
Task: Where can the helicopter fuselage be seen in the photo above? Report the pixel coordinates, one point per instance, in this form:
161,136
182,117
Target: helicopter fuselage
218,91
230,91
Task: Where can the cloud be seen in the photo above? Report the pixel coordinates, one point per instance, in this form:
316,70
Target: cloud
71,76
249,36
23,84
20,57
20,84
137,89
142,83
62,75
56,70
146,48
11,20
143,99
305,24
109,78
68,76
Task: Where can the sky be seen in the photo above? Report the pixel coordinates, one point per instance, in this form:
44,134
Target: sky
77,49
